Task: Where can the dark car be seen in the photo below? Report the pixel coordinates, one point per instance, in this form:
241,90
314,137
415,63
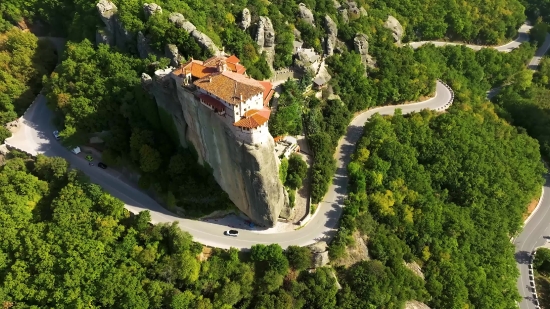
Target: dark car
102,165
233,233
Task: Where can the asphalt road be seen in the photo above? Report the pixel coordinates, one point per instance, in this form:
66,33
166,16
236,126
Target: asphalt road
35,136
523,36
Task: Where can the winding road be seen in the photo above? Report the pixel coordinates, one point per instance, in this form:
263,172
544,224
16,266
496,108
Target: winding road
35,136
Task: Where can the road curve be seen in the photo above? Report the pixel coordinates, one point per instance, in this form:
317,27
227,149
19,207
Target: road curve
35,136
523,36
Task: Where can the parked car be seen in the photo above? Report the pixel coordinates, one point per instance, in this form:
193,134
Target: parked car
76,150
56,135
233,233
102,165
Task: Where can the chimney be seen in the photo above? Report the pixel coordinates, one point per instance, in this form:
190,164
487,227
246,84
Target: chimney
241,97
209,79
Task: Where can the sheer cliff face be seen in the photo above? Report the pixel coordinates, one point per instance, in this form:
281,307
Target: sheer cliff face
248,173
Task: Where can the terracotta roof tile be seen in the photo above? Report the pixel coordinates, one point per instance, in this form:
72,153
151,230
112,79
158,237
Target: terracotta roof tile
254,118
229,86
233,59
196,68
268,91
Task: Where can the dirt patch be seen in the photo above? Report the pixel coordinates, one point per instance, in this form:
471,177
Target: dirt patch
355,253
205,254
532,205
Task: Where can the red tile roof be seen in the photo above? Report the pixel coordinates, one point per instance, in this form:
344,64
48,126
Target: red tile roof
254,118
212,102
230,86
196,68
268,91
233,59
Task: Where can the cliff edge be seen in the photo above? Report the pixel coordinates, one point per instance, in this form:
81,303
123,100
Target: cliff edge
249,173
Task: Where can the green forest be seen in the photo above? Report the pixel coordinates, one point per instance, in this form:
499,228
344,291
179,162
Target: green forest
445,191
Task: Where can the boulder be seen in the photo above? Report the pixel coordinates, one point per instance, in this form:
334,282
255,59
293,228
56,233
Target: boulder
107,11
265,38
344,13
171,52
113,26
246,19
395,27
306,14
320,256
336,4
205,41
332,33
146,81
353,8
202,39
150,9
414,304
143,46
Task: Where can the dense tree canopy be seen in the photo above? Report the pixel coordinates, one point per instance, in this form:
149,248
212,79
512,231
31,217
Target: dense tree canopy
446,191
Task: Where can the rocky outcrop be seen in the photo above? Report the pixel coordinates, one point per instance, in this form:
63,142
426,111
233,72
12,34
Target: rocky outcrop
395,27
171,52
344,13
246,19
202,39
413,304
265,38
297,34
114,31
143,46
248,173
320,254
361,45
150,9
332,33
306,14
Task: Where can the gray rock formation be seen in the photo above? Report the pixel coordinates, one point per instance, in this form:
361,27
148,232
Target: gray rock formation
353,8
265,38
107,11
246,19
395,27
361,45
143,46
202,39
344,13
150,9
114,30
248,173
171,52
102,37
305,14
332,33
297,34
320,254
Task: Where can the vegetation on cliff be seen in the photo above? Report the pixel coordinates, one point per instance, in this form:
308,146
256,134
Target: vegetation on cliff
24,60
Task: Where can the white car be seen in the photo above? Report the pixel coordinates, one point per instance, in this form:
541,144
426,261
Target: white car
56,135
233,233
76,150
